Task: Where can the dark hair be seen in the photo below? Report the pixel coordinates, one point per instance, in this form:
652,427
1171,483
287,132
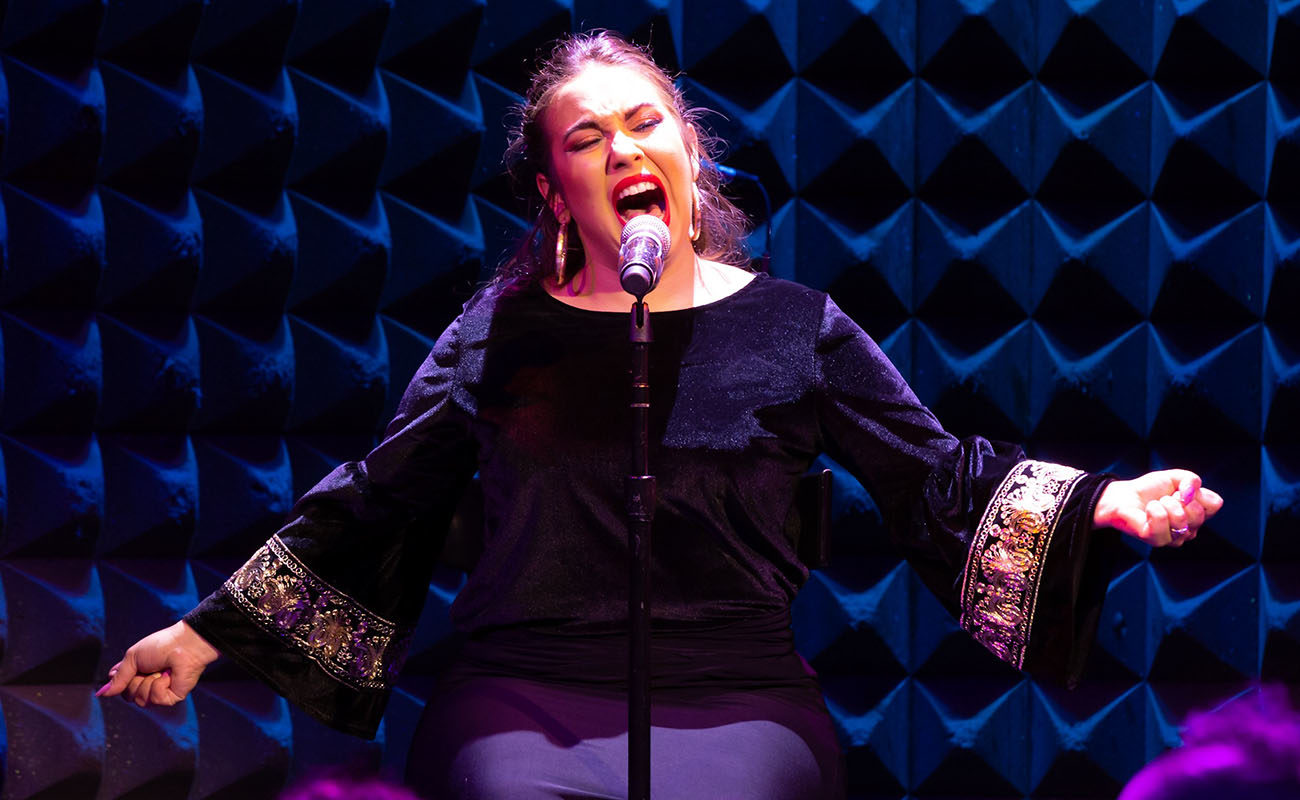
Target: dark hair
722,225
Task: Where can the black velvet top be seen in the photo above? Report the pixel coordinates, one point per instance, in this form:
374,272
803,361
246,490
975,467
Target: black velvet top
745,393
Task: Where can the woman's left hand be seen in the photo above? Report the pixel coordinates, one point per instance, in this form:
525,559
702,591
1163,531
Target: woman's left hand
1165,507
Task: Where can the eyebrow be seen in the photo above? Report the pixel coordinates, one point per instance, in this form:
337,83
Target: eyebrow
591,123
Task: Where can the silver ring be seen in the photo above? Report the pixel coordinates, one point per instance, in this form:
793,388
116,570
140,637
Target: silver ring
1179,533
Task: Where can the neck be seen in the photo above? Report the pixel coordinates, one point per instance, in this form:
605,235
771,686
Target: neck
597,286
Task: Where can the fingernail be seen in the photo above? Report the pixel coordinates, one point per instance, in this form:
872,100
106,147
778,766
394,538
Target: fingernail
1188,493
103,689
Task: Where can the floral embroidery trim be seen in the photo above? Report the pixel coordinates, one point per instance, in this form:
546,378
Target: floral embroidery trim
350,643
1005,564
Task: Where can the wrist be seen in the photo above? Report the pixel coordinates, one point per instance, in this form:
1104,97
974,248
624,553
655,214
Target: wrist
1105,512
194,643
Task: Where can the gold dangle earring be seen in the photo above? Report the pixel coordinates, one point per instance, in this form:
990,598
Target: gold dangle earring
697,215
561,250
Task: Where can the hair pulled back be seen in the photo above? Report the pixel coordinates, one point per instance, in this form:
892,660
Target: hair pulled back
722,225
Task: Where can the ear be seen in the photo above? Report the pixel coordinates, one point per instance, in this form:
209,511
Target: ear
555,201
693,145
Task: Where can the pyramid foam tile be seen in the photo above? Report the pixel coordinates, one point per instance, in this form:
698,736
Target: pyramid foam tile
434,144
149,752
62,481
56,128
1281,412
153,254
1229,133
986,389
435,265
717,36
1203,635
1102,258
510,36
1078,740
975,61
338,41
58,359
247,378
1087,395
876,744
152,40
946,257
1184,389
869,274
56,621
151,495
248,259
342,139
342,263
344,391
1093,53
248,139
885,131
246,39
874,603
246,739
245,491
487,181
56,253
151,372
45,719
429,44
58,36
1280,503
969,737
151,152
1280,622
1086,171
840,41
1213,43
1122,650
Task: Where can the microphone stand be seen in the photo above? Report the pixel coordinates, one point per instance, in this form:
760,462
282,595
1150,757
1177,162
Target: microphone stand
640,498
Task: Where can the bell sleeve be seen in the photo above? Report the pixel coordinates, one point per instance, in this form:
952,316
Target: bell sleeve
323,611
1005,542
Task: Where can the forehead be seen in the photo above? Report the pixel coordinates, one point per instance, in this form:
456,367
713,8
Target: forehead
601,90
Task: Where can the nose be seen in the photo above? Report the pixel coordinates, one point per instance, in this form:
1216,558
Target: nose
623,150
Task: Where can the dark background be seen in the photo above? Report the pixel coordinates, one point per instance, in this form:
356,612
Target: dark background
232,228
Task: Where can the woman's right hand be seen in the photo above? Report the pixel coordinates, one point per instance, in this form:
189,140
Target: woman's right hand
162,668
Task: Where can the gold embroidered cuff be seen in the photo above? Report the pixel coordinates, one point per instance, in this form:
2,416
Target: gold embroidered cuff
352,644
1005,564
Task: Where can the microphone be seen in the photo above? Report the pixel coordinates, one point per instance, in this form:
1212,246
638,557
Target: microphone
641,254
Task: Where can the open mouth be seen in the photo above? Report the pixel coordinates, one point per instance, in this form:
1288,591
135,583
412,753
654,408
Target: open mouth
640,194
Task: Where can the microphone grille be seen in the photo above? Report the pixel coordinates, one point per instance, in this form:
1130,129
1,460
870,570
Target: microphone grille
647,223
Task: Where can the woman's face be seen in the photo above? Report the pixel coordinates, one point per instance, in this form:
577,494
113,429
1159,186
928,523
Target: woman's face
617,151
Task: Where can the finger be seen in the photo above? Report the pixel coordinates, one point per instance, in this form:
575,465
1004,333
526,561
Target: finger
1195,515
1177,514
132,687
1158,524
146,688
1210,500
119,675
1133,521
161,694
